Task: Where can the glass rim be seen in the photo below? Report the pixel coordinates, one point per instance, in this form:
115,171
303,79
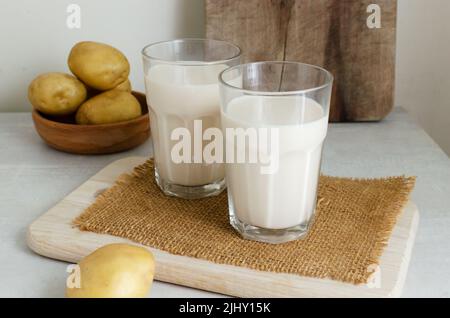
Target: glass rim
192,63
328,81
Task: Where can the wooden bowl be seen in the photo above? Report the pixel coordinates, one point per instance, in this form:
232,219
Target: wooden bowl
67,136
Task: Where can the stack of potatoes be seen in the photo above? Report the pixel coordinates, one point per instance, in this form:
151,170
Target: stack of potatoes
99,93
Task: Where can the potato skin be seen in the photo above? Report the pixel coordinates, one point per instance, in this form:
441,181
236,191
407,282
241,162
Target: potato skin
124,86
108,107
98,65
115,271
56,94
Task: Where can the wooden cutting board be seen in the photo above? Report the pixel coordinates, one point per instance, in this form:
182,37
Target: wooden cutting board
330,33
53,235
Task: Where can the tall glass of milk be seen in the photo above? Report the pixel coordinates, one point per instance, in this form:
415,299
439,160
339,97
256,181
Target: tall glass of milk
275,116
181,79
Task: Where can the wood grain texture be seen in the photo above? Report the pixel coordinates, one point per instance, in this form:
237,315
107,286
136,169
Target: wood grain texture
329,33
53,235
67,136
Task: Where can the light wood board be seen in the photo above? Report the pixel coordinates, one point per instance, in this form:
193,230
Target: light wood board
53,235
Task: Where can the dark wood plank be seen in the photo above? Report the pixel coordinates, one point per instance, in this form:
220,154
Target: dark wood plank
328,33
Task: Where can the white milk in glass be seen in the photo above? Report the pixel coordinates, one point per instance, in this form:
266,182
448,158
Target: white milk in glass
286,198
178,95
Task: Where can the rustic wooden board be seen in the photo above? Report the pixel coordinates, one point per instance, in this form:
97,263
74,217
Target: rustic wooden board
329,33
52,235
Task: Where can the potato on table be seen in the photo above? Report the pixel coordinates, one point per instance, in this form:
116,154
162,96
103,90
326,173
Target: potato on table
113,271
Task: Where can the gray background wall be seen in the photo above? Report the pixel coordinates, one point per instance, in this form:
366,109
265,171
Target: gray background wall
423,65
34,38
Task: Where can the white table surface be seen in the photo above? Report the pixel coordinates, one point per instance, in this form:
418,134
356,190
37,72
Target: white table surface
34,177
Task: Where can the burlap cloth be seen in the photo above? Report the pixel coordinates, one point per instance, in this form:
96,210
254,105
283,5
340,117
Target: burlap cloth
353,223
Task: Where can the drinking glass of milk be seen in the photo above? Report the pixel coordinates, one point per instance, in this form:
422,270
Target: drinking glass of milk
181,79
275,115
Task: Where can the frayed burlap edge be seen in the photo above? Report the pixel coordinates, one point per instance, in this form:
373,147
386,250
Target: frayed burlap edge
380,242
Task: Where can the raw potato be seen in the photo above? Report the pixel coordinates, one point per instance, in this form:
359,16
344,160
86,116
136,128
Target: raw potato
56,93
109,107
115,271
125,86
98,65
